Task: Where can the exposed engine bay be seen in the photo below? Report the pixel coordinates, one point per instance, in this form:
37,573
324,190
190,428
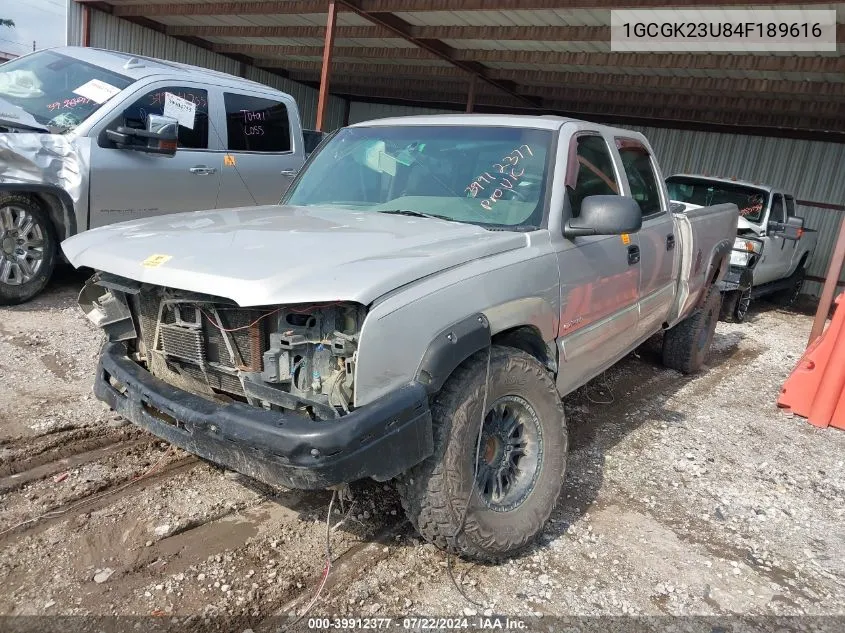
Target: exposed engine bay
298,358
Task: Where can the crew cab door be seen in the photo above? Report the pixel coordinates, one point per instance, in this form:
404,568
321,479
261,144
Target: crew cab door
777,252
264,148
656,237
128,184
599,274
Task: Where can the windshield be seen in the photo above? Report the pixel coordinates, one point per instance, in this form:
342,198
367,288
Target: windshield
58,91
752,202
480,175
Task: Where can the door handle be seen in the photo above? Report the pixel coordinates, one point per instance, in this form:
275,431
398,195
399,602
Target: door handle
288,172
202,170
633,255
670,242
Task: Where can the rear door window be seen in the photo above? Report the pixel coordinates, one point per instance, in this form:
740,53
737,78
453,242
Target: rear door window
641,177
256,124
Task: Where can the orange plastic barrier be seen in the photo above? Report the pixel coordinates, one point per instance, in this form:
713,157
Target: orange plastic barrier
816,388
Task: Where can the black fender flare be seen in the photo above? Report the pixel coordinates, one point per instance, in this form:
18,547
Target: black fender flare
68,209
450,348
719,261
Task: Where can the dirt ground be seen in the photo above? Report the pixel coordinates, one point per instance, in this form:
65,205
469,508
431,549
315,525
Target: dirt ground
684,496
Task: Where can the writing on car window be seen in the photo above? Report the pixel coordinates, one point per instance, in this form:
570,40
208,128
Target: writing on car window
508,173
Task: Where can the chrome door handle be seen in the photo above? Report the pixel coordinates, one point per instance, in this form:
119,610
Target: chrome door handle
201,170
288,172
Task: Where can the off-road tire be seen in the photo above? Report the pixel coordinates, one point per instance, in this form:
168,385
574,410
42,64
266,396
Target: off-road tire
732,307
15,294
435,492
686,346
787,297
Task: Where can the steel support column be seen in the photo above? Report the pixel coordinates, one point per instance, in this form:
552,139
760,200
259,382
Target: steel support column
471,94
829,289
86,25
325,70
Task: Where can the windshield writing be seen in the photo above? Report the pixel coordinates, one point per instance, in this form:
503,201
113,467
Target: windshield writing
750,201
45,85
476,174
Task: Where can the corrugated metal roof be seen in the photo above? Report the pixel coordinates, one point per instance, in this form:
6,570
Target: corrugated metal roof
560,17
344,18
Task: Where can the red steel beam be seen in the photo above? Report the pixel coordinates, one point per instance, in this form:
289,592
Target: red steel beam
325,72
86,25
471,93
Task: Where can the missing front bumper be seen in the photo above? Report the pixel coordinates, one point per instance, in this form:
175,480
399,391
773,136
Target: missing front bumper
379,440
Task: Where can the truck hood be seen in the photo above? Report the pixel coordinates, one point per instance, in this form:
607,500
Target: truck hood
280,255
745,225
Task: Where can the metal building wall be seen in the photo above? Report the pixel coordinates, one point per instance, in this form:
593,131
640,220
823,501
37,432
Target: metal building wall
117,34
812,170
73,23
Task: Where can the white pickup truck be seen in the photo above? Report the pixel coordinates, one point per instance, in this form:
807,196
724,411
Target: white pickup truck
772,248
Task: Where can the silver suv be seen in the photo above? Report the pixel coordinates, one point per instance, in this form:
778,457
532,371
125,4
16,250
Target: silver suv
90,137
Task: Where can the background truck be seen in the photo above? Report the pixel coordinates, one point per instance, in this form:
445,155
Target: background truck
772,249
89,137
414,310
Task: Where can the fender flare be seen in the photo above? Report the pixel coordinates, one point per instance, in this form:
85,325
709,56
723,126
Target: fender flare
68,211
450,348
719,260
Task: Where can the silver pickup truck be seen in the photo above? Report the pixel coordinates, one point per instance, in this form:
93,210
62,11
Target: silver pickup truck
89,137
772,249
414,310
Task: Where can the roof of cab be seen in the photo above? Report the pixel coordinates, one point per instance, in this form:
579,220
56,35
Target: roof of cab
543,122
141,67
729,181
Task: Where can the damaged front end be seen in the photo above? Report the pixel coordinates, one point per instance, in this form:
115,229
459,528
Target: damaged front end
266,391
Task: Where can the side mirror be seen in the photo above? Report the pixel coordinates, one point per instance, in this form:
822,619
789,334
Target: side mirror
792,229
160,137
605,215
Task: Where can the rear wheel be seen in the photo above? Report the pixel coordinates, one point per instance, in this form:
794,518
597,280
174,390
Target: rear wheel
788,296
27,248
687,345
512,474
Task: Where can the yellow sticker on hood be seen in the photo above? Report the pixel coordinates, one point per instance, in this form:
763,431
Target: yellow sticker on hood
154,261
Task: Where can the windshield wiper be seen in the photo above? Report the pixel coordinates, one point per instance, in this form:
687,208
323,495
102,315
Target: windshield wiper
10,116
418,214
9,122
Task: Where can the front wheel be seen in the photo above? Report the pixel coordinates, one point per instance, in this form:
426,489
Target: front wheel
787,297
511,475
27,248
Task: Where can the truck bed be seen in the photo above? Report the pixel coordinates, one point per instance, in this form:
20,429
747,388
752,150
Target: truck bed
700,233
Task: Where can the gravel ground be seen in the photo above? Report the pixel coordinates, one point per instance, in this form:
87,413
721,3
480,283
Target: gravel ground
684,496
